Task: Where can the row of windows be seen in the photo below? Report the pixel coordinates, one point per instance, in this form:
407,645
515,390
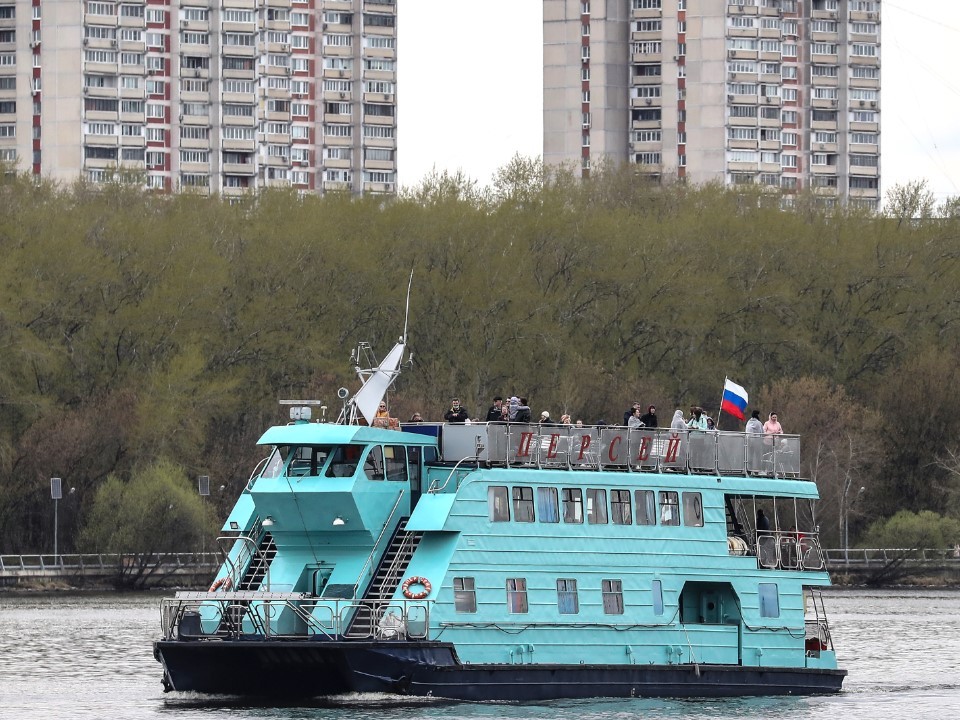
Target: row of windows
550,506
568,598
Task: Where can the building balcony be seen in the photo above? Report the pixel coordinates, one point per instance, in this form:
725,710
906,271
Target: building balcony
245,169
641,102
387,165
194,143
861,149
864,192
195,120
135,141
239,145
239,4
239,120
865,171
336,141
378,188
742,144
864,127
101,140
737,32
647,58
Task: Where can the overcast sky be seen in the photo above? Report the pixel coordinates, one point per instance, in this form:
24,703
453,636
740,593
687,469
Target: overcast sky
470,89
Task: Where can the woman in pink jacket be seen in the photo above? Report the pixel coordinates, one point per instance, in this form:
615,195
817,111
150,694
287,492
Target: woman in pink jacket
772,426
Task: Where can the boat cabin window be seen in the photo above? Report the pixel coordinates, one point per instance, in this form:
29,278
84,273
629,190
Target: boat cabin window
274,466
769,600
572,505
646,507
612,596
596,506
657,597
517,595
395,457
568,603
669,510
373,465
523,504
344,461
620,511
547,504
692,509
498,504
464,595
308,460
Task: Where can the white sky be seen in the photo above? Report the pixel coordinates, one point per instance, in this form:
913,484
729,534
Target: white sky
470,89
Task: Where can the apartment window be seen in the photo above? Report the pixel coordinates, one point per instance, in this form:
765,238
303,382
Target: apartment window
336,63
516,595
825,70
234,110
789,71
332,130
101,129
338,18
523,504
824,48
8,12
379,132
337,40
864,138
770,134
100,8
300,109
789,94
862,94
195,156
155,134
740,156
823,26
547,503
376,176
692,501
647,158
8,82
94,56
620,511
378,86
235,39
743,111
338,176
641,136
769,600
585,29
131,10
865,72
128,130
233,132
337,153
568,603
647,4
789,117
789,138
194,132
771,179
864,183
572,505
612,596
100,153
864,161
788,161
742,133
652,47
464,595
824,137
596,506
379,42
8,107
742,88
8,131
498,504
648,26
863,50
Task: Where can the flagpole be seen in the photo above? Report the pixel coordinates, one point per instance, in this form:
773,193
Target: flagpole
725,378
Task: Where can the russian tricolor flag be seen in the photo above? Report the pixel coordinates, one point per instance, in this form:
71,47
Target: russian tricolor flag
734,399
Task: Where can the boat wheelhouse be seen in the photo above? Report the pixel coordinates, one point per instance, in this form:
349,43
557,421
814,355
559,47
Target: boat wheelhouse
511,562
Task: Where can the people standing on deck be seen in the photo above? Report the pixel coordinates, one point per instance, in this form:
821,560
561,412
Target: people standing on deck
698,420
754,444
628,413
495,413
545,418
382,418
416,417
763,524
634,420
523,412
512,412
772,426
579,423
649,419
678,422
505,412
457,413
565,419
711,423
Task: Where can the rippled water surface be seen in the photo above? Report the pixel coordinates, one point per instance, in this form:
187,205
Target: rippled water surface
90,656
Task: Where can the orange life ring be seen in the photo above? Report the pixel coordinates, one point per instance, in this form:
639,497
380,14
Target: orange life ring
416,580
224,583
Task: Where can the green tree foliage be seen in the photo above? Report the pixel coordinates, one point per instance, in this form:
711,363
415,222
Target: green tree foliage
137,329
155,512
910,530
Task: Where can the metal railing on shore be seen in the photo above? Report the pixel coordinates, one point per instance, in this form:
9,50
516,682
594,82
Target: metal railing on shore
99,564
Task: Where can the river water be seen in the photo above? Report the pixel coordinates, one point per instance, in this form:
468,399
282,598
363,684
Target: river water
90,656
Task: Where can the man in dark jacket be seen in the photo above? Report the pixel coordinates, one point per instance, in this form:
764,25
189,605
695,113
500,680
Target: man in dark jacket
495,413
523,411
457,413
650,419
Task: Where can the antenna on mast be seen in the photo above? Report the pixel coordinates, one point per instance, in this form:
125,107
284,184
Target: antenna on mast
406,315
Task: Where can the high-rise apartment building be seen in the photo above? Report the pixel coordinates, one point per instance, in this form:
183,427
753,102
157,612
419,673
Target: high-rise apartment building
210,95
784,93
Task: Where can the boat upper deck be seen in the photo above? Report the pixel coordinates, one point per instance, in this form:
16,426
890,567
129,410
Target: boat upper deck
616,448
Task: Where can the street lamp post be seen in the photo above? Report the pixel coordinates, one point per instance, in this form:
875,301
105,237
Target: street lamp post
203,485
56,492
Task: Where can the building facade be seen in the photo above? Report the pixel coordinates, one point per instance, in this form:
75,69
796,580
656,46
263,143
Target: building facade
784,93
219,96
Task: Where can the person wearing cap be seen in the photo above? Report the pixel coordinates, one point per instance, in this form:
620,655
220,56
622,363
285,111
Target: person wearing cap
457,413
545,418
495,413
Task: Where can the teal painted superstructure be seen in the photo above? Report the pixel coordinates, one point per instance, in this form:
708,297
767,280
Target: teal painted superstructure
535,552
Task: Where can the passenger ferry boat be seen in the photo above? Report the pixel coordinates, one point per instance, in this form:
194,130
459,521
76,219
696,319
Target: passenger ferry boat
509,562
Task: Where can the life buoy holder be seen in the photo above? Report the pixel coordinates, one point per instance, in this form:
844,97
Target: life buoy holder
416,580
224,583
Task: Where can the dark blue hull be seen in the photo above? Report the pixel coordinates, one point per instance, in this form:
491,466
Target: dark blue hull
292,668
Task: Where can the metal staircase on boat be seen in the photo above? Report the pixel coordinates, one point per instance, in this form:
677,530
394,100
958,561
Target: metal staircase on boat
232,620
388,575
